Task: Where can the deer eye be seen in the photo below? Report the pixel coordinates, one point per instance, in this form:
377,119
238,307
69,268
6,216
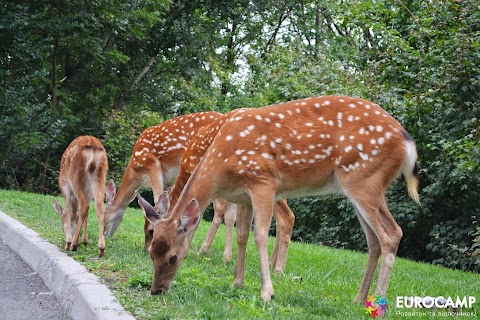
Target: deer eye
150,233
173,259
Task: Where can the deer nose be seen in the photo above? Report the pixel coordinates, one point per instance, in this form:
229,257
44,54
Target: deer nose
154,292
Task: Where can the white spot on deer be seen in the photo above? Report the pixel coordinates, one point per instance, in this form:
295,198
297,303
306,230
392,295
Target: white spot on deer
311,147
374,152
360,147
228,138
266,155
388,134
303,103
352,105
362,130
239,152
219,155
242,134
342,138
251,152
381,140
364,156
281,116
326,102
317,105
379,128
258,117
298,110
331,123
288,146
348,148
367,106
371,128
377,112
309,124
373,141
251,127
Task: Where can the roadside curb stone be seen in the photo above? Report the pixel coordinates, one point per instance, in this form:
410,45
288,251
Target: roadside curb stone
79,292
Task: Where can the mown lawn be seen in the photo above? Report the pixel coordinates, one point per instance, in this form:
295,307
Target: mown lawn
202,287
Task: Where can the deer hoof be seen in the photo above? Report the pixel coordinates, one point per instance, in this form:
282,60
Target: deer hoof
67,245
101,252
73,247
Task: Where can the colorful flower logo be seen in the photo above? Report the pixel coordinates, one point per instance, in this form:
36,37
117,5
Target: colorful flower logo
375,306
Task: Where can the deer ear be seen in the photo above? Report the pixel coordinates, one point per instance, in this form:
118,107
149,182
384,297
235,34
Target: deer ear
190,217
148,210
57,207
163,203
111,192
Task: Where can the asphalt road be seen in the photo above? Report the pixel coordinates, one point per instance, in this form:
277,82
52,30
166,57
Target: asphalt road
23,295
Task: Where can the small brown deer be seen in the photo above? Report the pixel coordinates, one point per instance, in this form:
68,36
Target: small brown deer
83,171
330,144
155,162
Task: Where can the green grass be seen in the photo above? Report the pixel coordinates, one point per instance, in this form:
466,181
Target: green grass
202,288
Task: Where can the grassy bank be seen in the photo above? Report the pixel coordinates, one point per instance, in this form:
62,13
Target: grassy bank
202,288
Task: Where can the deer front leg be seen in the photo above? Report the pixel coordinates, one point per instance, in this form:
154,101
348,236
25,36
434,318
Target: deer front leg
244,221
155,178
100,211
85,230
219,207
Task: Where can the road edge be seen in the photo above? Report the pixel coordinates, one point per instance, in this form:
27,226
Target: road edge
79,292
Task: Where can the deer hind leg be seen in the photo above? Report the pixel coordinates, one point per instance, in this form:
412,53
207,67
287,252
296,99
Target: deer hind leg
244,222
380,225
372,261
229,218
285,220
219,207
71,207
263,202
83,204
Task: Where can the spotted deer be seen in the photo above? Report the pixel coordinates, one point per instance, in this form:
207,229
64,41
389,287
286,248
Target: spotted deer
329,144
83,171
194,152
155,163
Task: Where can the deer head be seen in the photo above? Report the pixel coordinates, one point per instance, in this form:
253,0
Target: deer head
168,250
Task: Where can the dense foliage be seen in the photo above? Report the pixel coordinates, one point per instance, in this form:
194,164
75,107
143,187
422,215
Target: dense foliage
111,68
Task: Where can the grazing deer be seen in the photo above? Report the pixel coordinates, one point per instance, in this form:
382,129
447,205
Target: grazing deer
83,170
155,162
330,144
195,151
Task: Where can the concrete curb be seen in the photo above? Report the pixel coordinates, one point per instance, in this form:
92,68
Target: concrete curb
80,293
